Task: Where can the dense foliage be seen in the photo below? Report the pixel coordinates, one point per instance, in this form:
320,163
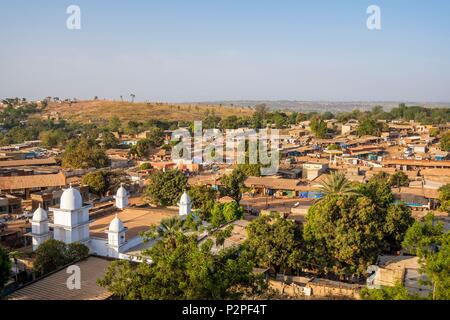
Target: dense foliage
5,267
233,185
53,254
182,270
84,154
275,243
166,188
444,198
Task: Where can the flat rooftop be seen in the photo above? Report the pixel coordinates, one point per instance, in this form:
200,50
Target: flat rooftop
137,220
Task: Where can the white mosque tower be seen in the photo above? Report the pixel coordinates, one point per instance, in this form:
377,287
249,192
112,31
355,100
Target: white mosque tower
121,198
71,219
39,227
185,205
116,236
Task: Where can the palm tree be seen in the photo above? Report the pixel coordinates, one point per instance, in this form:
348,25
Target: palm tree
336,184
166,228
132,97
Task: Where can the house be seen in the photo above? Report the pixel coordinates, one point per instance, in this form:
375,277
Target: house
349,127
10,205
392,270
27,163
420,148
25,185
312,170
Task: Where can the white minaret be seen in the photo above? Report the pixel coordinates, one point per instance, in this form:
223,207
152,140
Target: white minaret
39,227
116,236
71,219
185,205
121,197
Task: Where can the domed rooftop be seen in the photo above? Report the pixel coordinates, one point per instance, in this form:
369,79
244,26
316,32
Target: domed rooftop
71,199
40,215
116,225
121,192
185,199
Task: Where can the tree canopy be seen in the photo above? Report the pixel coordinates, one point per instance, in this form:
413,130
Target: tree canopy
183,270
233,185
5,267
84,154
274,242
54,254
166,188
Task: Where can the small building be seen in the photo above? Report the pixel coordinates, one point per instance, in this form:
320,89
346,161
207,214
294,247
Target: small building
10,205
312,170
392,270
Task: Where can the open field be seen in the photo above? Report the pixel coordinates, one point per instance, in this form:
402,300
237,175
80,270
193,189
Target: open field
101,110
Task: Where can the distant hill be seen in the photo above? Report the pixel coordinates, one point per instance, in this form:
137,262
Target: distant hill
321,106
101,110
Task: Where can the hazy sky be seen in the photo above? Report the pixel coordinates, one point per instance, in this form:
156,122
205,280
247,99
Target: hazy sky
226,50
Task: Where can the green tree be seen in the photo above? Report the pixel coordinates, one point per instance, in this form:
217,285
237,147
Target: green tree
398,221
155,136
53,254
166,229
50,256
217,216
332,147
445,141
318,127
182,270
114,124
142,148
422,236
84,154
76,251
431,244
5,267
275,243
444,198
250,170
233,185
97,182
369,126
336,184
345,233
145,166
203,198
379,190
53,138
399,179
397,292
109,140
222,235
437,268
232,211
166,188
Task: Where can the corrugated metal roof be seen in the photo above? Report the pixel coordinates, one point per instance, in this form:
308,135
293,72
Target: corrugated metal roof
54,286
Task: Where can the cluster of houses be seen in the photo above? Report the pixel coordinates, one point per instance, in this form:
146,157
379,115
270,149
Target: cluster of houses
37,196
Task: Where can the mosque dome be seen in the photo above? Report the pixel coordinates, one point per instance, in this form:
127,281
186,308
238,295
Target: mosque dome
121,192
71,199
185,199
116,225
40,215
